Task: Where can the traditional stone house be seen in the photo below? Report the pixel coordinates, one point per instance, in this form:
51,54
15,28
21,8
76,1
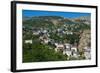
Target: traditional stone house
44,39
59,47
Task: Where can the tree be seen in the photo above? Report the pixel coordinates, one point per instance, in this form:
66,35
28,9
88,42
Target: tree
41,53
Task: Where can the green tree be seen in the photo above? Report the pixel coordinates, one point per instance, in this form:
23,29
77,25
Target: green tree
41,53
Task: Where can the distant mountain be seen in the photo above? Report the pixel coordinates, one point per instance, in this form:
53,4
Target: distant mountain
83,19
53,22
48,17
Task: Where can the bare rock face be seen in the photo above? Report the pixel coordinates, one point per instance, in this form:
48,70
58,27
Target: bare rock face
85,40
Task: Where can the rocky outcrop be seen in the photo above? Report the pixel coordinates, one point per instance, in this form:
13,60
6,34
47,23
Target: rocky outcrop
85,40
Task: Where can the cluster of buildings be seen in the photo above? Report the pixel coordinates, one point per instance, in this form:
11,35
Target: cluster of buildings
66,48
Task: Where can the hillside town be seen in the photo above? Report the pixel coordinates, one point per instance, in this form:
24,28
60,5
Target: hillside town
65,39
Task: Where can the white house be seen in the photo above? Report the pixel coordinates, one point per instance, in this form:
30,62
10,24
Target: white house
67,49
74,49
67,52
58,30
75,54
28,41
44,31
87,52
67,45
69,32
36,32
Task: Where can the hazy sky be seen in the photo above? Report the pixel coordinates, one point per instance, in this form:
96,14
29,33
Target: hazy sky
31,13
